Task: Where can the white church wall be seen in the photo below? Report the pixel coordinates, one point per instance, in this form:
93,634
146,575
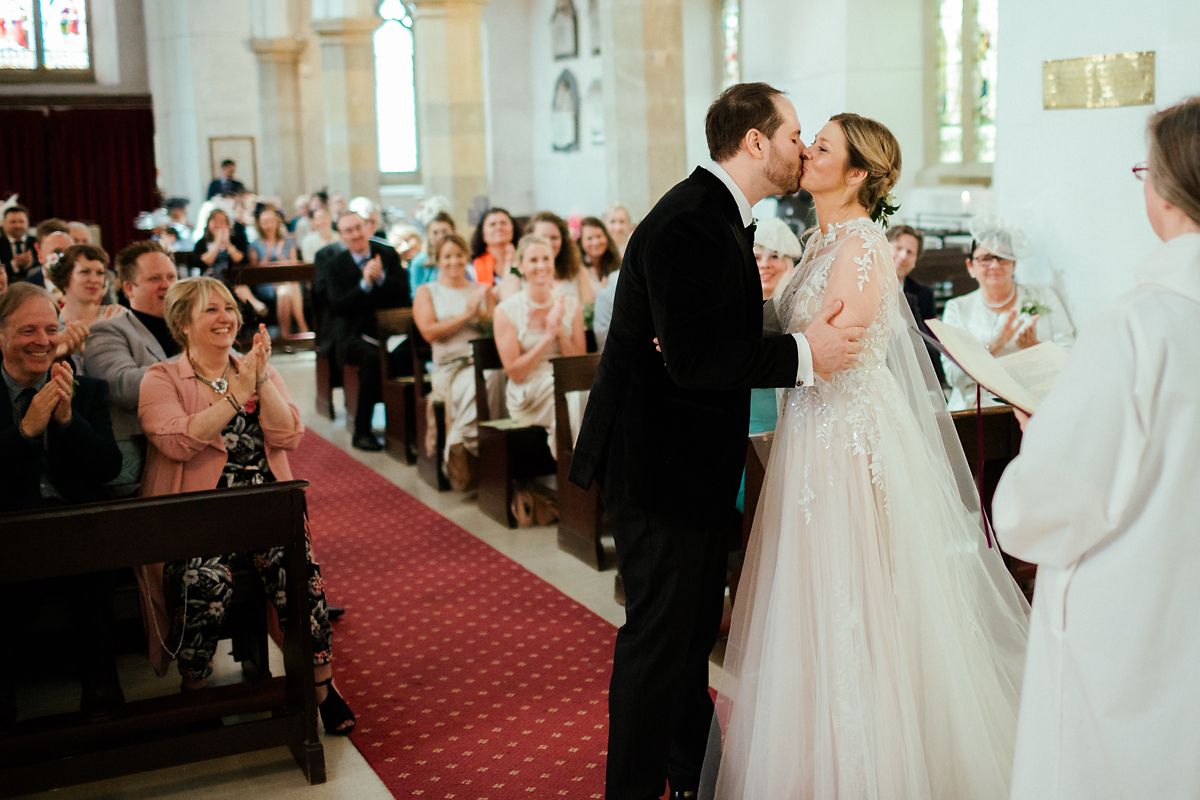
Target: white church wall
204,82
575,182
1063,176
702,76
509,104
864,56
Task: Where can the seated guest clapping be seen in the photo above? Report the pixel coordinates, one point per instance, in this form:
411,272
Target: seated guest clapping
1002,314
119,350
57,447
423,268
534,325
222,249
570,277
55,431
601,255
214,419
448,313
776,249
272,246
493,247
81,274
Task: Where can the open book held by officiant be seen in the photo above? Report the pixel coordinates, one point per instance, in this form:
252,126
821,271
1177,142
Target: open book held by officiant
1022,379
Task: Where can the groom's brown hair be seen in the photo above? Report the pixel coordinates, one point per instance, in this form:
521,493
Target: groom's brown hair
738,109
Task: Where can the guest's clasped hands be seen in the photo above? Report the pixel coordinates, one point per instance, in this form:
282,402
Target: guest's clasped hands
1026,336
53,401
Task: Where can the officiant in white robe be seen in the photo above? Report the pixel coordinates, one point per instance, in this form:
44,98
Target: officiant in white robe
1104,499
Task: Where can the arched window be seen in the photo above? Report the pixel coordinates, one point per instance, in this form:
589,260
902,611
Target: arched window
395,90
966,84
45,40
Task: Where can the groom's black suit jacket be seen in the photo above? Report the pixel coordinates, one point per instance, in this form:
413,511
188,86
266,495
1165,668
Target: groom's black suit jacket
667,432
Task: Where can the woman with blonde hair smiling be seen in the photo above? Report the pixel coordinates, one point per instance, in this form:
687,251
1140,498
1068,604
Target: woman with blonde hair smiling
214,419
876,645
1103,499
531,327
449,311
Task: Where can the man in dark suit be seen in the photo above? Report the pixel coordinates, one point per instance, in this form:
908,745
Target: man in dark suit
363,278
908,244
665,435
58,448
225,185
17,253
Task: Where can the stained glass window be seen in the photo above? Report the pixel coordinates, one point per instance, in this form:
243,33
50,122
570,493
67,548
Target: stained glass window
731,27
64,34
38,36
966,96
18,40
395,88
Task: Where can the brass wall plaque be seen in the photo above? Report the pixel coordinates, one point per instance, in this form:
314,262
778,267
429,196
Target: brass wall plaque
1108,81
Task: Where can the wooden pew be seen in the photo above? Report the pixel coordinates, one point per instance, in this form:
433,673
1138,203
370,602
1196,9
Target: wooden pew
1001,434
580,515
399,395
281,272
508,453
429,465
66,749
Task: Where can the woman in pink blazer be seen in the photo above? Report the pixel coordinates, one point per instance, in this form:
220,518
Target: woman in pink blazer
214,419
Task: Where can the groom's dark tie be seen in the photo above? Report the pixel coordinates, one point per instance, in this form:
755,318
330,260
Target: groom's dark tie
750,229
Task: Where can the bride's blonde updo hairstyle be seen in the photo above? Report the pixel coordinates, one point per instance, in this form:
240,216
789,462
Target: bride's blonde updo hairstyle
1174,156
872,148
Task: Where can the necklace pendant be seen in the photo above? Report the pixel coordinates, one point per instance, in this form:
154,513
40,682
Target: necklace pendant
220,386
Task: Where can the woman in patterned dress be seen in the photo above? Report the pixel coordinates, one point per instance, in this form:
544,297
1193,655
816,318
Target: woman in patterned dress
214,419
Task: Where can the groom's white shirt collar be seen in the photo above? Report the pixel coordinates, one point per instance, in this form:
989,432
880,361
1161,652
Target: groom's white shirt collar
738,195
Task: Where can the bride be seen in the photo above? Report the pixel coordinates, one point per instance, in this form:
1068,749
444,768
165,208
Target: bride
877,643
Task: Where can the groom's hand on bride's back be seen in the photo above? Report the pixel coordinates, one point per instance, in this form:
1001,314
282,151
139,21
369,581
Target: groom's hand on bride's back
834,348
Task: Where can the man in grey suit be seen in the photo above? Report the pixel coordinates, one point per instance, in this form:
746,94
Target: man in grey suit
120,349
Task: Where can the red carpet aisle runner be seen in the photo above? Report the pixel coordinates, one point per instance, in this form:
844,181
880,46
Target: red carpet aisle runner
471,677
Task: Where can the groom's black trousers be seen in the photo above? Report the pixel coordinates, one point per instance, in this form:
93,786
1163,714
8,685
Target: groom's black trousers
673,566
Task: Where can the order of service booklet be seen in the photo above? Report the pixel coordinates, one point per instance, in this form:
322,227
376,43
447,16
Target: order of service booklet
1022,379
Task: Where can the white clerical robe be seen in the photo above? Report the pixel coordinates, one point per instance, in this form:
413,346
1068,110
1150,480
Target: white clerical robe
1105,498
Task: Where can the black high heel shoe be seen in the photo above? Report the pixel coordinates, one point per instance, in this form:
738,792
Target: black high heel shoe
334,711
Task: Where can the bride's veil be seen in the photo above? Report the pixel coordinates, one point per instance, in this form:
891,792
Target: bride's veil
988,597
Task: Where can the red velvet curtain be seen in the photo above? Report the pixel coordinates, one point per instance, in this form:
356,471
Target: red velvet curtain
90,164
23,159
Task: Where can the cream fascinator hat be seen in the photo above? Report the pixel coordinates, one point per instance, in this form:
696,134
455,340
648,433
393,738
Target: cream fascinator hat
992,232
774,234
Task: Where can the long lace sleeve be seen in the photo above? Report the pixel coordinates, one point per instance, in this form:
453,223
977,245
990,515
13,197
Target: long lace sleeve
858,277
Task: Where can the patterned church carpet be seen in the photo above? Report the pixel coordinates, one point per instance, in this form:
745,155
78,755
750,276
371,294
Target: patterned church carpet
471,677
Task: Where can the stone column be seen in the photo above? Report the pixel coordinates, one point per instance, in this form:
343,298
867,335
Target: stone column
281,168
348,87
644,119
451,124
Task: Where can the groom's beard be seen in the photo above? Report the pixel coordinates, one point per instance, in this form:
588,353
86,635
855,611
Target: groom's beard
783,174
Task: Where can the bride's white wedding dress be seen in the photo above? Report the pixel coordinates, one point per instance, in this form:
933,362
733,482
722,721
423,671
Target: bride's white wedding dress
877,642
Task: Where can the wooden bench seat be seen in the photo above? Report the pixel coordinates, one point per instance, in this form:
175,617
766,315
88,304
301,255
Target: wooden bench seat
65,749
399,392
580,512
509,453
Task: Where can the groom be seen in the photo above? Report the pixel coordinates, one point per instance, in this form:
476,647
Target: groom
665,435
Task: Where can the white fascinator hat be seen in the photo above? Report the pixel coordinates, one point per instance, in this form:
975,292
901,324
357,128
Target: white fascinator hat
992,232
774,234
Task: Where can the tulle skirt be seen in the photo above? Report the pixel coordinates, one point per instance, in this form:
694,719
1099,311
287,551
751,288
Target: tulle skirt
877,643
